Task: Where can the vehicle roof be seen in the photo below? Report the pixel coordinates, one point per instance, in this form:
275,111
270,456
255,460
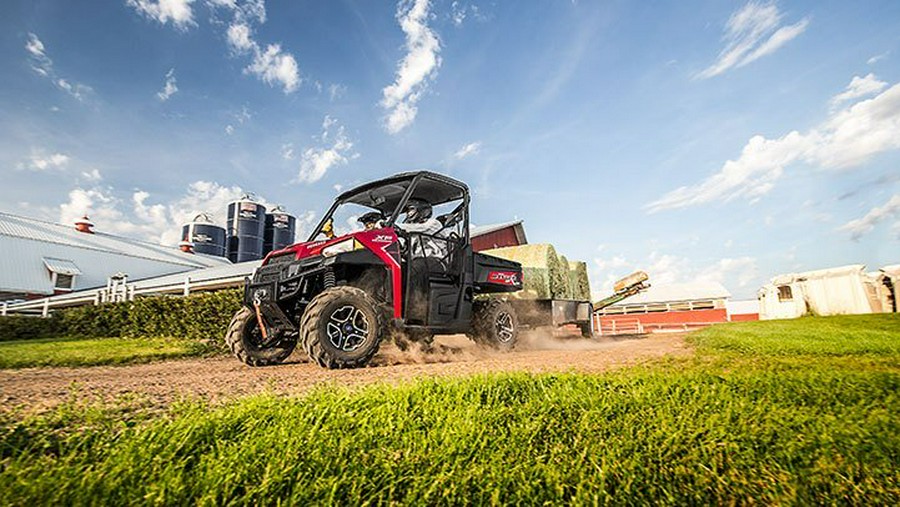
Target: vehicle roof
386,193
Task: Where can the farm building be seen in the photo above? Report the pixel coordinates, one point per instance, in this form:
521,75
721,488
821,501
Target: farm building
487,237
834,291
670,308
44,258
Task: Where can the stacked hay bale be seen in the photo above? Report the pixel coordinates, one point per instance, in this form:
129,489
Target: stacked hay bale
547,274
578,281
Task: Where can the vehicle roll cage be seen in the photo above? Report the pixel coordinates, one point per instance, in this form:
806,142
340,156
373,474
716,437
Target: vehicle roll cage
439,189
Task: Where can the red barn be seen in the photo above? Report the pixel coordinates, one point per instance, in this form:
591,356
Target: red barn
486,237
674,307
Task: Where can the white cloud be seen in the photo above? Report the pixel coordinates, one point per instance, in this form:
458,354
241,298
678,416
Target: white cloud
335,150
240,38
275,68
287,151
336,91
848,138
468,150
877,58
39,161
417,68
270,64
43,65
862,226
178,12
859,87
667,269
752,32
229,129
169,88
92,175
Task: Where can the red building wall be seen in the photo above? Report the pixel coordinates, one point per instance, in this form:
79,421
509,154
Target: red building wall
661,321
497,239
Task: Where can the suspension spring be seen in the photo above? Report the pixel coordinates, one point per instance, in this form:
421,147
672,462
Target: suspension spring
328,279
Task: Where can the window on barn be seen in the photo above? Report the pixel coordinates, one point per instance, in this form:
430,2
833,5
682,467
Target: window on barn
64,282
784,293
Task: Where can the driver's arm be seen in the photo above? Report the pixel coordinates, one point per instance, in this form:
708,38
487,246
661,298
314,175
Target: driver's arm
429,226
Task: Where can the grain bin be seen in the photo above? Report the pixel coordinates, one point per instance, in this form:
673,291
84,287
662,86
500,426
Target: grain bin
205,236
246,228
280,229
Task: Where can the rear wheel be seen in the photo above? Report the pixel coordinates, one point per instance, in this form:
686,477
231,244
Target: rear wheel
587,330
494,324
246,342
342,328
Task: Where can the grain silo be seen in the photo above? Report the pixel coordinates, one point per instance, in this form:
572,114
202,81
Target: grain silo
204,235
246,226
280,229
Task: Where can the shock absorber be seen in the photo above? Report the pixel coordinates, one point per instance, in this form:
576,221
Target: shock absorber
328,278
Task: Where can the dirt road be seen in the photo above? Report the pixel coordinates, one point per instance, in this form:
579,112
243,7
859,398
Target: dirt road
219,378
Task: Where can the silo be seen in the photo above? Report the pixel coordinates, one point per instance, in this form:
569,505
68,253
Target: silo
246,225
280,228
205,236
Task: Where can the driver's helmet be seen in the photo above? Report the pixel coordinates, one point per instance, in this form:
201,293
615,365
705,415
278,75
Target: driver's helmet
370,219
417,211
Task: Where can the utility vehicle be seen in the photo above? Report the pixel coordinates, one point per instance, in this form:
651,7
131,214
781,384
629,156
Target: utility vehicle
342,291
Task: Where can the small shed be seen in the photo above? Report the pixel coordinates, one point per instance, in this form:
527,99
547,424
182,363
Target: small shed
834,291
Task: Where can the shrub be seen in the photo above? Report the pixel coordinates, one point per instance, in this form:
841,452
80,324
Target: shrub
21,327
202,316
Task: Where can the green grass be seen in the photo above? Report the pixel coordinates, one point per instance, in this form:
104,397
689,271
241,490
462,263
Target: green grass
846,335
704,430
94,351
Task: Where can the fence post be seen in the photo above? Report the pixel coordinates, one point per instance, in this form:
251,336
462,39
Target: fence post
5,304
46,311
187,286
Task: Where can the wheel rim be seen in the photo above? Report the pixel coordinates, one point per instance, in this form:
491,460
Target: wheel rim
505,327
347,328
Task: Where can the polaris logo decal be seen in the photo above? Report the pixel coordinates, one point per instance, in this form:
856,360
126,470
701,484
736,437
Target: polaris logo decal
383,238
504,277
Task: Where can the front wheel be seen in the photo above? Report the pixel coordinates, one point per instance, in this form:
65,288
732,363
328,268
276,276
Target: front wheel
342,328
495,324
246,342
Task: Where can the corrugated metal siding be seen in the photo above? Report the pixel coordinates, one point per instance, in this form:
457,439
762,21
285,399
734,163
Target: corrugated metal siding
24,228
22,267
30,246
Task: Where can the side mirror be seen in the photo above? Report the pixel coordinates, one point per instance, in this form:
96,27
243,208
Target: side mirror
328,228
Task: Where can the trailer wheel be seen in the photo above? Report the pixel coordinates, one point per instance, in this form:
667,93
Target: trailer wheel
342,328
494,324
247,344
587,330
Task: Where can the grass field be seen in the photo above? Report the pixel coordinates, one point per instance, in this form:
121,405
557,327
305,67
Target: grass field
749,419
94,351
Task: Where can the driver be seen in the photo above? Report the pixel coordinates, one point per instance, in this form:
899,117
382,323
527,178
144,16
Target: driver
419,220
424,248
371,220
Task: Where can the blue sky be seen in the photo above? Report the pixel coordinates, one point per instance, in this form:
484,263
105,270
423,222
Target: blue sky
698,140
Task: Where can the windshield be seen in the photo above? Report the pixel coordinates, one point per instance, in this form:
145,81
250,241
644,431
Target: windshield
347,219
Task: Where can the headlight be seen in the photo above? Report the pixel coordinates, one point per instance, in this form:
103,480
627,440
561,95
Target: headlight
345,246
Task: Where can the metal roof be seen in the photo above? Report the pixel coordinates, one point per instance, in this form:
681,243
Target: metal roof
852,269
481,230
26,243
61,266
672,293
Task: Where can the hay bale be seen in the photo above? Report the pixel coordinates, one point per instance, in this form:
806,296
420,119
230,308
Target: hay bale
544,276
568,292
579,281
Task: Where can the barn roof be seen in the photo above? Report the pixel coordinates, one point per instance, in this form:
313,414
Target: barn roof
32,247
480,230
680,292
